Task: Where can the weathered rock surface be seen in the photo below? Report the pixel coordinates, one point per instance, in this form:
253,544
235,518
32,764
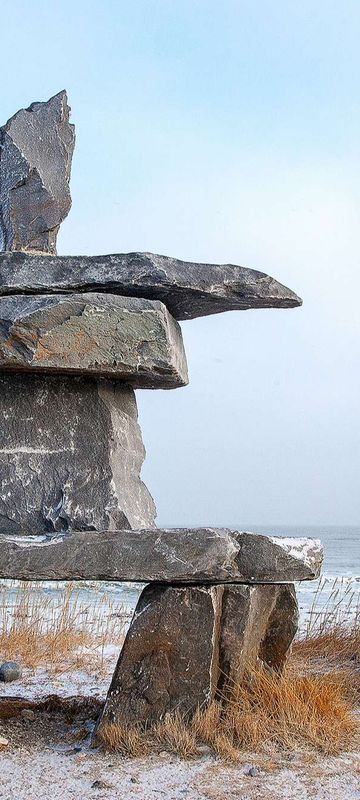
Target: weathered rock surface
187,289
70,456
10,671
125,338
167,660
258,623
36,148
185,644
173,555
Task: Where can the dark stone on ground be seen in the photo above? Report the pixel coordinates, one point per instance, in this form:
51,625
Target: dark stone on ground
187,289
170,555
70,456
36,148
129,339
10,671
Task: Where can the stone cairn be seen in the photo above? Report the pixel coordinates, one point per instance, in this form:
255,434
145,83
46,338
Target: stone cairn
77,335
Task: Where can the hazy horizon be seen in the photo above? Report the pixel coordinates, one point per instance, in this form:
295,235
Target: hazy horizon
224,133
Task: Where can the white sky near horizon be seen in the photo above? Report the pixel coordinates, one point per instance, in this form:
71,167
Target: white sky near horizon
223,132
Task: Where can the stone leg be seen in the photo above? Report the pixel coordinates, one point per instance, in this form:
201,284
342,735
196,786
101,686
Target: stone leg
169,658
186,643
258,624
70,456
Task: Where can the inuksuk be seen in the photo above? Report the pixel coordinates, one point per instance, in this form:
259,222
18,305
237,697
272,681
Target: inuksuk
77,336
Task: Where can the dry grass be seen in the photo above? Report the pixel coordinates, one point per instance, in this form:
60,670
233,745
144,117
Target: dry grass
60,631
266,713
312,706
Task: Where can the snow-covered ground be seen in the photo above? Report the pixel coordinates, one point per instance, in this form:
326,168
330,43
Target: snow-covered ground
31,774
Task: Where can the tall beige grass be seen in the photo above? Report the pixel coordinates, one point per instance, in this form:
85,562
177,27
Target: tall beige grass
58,632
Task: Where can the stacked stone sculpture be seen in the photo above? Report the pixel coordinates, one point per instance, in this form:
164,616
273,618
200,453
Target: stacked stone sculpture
77,336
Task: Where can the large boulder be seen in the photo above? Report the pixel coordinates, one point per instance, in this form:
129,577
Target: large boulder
187,289
187,645
36,148
130,339
164,555
70,456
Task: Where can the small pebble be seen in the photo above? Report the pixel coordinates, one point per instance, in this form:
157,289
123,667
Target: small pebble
205,750
10,671
253,772
28,714
3,742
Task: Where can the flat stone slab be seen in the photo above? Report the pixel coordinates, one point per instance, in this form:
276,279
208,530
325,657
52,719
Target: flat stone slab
130,339
171,555
187,289
36,148
71,453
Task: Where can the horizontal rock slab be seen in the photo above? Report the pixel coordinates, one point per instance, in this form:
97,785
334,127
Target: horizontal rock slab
187,289
36,148
70,456
187,645
130,339
171,555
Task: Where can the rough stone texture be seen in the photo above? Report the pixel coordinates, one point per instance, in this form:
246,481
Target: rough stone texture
130,339
185,644
70,456
36,148
190,555
258,623
10,671
188,290
167,660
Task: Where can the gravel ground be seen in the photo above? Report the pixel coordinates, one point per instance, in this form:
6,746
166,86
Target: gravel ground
49,758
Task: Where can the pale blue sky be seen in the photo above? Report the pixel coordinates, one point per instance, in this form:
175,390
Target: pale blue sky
226,132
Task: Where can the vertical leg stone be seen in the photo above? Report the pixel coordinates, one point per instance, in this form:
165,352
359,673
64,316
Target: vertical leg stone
70,456
281,628
169,658
258,624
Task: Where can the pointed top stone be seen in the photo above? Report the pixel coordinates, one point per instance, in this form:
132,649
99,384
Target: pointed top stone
36,148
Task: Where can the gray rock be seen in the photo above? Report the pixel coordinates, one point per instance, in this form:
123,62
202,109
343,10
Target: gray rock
187,289
125,338
36,148
28,714
167,660
170,555
186,645
253,772
70,456
258,624
10,671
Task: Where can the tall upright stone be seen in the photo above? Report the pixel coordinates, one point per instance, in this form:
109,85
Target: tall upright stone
70,456
36,148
